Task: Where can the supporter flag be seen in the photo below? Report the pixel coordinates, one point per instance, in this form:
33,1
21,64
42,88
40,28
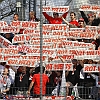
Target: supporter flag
63,83
75,90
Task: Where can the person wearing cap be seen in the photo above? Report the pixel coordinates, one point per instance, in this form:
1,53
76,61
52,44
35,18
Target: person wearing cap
81,23
36,83
56,19
90,19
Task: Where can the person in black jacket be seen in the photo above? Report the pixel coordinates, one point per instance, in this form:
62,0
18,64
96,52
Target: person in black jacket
90,19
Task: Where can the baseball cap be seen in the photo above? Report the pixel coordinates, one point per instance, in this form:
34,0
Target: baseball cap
81,19
90,15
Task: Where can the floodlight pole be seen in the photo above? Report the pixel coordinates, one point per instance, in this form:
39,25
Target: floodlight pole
41,42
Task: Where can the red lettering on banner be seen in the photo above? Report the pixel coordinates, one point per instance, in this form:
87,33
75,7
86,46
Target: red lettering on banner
49,67
59,33
46,9
25,24
28,38
24,57
15,23
84,7
58,66
68,56
6,58
1,23
6,51
98,30
6,44
1,50
72,52
33,25
12,61
35,42
1,40
90,52
76,52
47,40
99,68
54,27
95,7
10,51
45,32
36,39
28,31
72,34
62,51
97,52
24,62
1,57
68,43
55,9
18,38
90,68
68,66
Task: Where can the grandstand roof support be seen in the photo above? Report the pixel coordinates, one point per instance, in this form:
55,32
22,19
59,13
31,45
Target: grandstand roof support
20,9
32,5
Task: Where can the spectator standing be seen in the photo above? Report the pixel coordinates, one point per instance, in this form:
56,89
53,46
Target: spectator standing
36,83
73,23
56,19
4,82
81,23
90,80
21,80
9,36
32,17
73,77
90,19
16,17
73,19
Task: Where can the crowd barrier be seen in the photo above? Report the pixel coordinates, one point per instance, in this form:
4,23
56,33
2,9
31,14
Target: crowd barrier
90,93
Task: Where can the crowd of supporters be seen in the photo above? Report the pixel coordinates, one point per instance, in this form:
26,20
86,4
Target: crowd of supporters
26,80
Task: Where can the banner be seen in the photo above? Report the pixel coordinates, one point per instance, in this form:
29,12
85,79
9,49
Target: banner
21,38
21,62
89,8
91,68
3,24
63,27
24,24
9,29
58,9
4,42
81,35
59,66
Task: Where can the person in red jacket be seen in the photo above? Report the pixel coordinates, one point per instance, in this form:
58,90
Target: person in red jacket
36,82
73,19
56,19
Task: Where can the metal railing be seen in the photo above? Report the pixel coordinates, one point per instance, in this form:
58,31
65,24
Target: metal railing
92,93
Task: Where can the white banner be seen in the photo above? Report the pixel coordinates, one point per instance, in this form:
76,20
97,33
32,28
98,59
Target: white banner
58,9
91,68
